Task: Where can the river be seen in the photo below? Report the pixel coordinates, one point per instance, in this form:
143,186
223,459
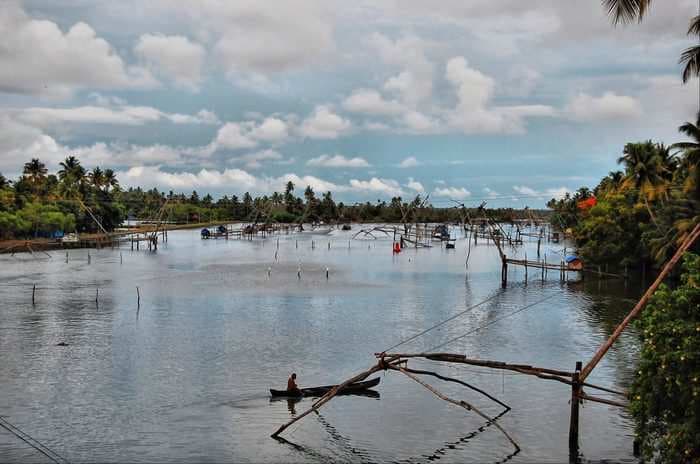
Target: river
184,376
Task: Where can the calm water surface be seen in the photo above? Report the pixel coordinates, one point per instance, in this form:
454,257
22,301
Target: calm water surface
186,377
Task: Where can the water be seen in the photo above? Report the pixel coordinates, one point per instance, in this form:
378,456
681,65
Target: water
185,377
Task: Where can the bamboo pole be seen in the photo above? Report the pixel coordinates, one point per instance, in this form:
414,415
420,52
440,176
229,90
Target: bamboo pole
687,243
602,400
461,403
450,379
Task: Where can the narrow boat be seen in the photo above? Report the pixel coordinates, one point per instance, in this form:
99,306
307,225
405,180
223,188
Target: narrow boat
320,391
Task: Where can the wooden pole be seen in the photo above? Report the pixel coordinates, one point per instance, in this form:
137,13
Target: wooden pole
573,424
33,293
138,298
687,243
461,403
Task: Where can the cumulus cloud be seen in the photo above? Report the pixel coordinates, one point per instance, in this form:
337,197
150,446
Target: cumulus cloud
474,112
558,192
409,162
232,135
368,101
338,161
260,38
324,124
271,130
584,107
256,159
415,185
174,57
459,193
39,58
377,185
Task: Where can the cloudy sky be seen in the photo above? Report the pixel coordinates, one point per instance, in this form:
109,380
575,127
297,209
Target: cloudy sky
506,100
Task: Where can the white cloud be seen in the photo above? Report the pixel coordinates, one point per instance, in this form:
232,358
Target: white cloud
39,58
474,113
338,161
256,159
324,124
119,115
418,122
271,130
548,193
584,107
525,190
376,185
414,83
368,101
490,193
410,162
173,56
415,185
260,38
233,136
459,193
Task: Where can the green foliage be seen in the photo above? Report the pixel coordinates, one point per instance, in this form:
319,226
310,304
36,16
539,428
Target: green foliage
665,395
603,235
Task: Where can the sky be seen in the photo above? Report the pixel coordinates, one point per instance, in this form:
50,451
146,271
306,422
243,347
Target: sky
506,101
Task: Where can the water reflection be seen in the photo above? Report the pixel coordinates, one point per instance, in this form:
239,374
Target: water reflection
184,375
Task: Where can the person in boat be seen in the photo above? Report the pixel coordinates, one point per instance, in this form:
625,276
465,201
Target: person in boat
292,385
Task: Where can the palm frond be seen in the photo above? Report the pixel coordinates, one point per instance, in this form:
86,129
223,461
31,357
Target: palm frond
691,59
694,28
626,11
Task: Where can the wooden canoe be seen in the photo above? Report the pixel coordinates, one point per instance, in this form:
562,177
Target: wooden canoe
320,391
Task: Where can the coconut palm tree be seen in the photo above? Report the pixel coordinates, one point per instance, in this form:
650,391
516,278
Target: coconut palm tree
97,178
3,181
691,150
111,181
691,56
35,172
626,11
643,171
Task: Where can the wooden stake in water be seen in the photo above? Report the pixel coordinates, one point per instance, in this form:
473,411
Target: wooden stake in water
88,256
66,256
121,258
97,295
138,298
326,273
299,273
33,293
329,245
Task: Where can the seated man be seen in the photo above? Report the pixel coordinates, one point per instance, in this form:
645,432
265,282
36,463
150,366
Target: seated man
292,387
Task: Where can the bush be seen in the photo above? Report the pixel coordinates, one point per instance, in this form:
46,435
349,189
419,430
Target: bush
665,395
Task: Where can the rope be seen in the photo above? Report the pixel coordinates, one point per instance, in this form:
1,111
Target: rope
432,350
442,323
33,442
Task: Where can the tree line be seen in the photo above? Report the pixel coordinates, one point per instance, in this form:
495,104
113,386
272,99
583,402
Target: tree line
642,211
43,204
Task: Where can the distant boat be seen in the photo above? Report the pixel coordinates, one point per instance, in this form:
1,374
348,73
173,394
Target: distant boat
70,238
320,391
317,231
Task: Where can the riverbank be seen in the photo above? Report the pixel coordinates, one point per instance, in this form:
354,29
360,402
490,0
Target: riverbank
93,240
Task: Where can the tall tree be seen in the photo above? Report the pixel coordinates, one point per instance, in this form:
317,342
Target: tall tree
626,11
643,171
35,172
111,181
97,178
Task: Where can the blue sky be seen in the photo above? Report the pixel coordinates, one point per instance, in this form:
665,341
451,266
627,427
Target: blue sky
504,100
